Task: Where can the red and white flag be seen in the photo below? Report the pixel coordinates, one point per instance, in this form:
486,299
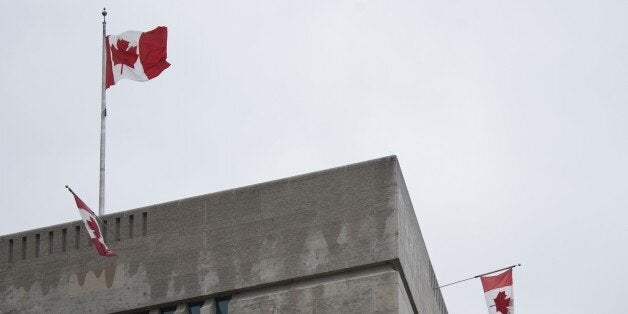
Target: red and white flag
92,227
138,56
498,293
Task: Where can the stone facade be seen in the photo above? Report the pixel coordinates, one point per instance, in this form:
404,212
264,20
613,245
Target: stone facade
343,240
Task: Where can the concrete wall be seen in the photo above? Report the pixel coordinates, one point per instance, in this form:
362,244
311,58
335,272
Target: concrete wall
415,262
228,242
377,289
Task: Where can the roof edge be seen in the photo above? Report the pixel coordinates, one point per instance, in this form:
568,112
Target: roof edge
251,186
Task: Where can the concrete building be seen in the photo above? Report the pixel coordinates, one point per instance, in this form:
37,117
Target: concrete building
343,240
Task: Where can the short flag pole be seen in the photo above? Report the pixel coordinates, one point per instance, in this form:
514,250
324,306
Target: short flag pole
478,276
498,290
92,227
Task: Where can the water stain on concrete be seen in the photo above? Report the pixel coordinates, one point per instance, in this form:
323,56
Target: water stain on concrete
100,279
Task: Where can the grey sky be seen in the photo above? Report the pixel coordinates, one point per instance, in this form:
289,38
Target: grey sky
509,119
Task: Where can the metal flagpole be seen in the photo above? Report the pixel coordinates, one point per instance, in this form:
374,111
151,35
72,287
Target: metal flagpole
490,272
103,115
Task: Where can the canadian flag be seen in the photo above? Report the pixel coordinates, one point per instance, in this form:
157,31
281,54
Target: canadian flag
92,227
498,293
138,56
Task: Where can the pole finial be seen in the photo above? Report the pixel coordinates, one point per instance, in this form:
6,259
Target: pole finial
104,11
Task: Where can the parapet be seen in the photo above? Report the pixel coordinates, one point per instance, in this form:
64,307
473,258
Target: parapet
297,229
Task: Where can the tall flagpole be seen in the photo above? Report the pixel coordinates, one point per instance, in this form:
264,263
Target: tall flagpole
103,115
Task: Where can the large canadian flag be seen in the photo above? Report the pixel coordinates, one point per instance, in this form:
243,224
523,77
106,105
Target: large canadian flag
92,227
498,293
138,56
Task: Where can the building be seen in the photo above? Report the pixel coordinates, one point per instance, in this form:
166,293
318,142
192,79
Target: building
343,240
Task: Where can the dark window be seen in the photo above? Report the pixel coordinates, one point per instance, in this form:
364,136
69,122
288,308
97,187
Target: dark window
11,251
37,241
222,305
64,239
168,310
144,224
118,229
130,226
23,247
195,308
77,237
50,242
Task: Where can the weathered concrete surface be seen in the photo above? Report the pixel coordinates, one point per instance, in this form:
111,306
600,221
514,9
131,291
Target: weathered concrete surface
376,289
415,261
229,242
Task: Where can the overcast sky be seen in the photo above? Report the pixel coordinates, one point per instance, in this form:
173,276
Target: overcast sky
509,118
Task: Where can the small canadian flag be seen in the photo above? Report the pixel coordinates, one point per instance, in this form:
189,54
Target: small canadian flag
138,56
92,227
498,293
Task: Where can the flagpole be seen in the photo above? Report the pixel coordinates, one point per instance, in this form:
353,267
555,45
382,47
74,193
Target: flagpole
103,115
100,220
480,275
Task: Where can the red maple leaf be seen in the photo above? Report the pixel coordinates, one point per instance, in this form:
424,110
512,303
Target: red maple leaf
502,303
124,54
94,226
